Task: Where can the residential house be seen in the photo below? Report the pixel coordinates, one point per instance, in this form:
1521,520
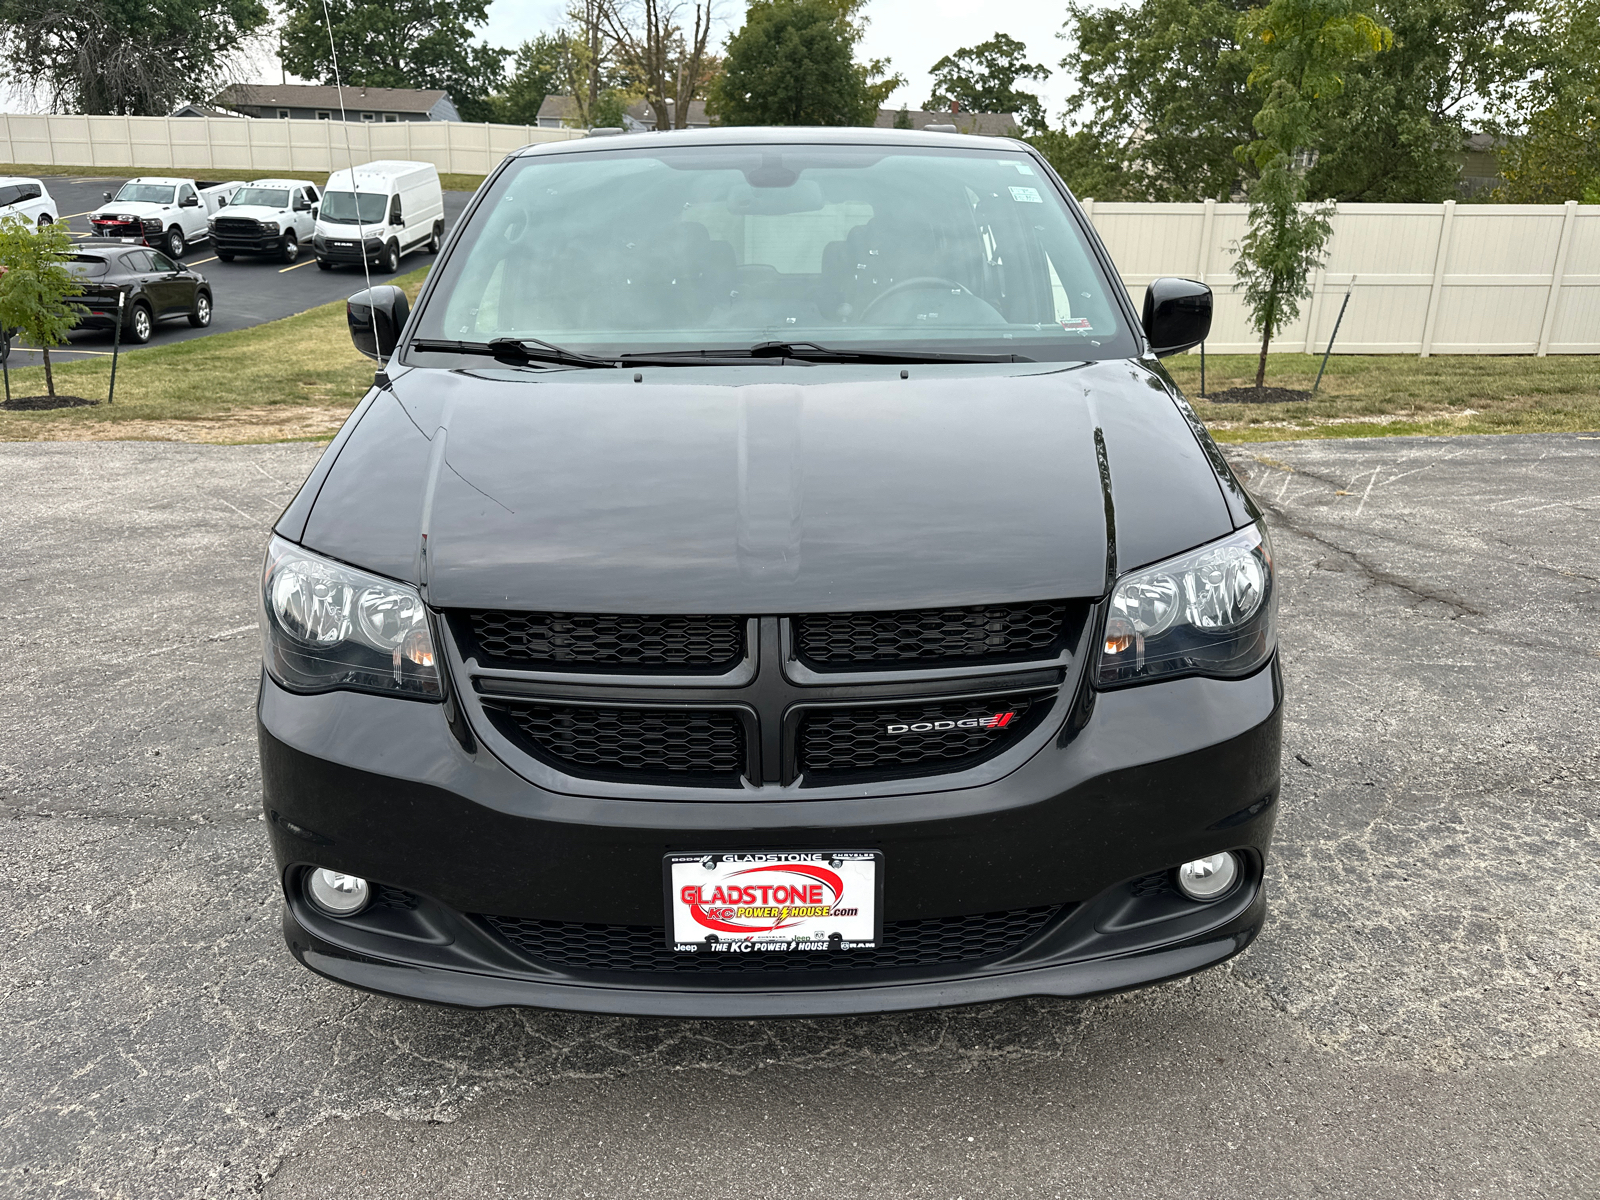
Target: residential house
561,112
317,102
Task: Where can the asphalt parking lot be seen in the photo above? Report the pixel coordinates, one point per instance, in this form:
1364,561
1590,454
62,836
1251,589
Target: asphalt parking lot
1420,1018
245,292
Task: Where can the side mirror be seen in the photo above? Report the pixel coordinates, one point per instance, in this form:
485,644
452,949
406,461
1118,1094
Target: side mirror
190,202
316,211
376,317
1177,315
107,195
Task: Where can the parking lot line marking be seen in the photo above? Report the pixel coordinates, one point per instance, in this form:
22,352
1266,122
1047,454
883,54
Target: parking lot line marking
298,265
84,213
213,258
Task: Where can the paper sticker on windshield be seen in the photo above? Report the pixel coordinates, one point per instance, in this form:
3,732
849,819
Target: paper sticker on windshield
1078,323
1025,195
1022,167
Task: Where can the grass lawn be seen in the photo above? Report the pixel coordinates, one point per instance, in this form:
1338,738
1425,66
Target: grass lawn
1382,395
450,182
297,379
291,379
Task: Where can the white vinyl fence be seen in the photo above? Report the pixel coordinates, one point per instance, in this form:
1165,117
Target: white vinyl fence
1428,278
211,144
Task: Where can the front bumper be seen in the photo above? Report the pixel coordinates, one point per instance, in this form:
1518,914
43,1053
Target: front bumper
247,243
1150,777
335,251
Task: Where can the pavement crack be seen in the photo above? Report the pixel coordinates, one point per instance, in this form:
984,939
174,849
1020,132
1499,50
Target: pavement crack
1378,575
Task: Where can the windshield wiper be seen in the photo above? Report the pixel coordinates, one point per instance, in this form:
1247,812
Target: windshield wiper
811,352
516,352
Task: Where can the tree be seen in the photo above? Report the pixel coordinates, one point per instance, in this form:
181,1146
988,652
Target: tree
1163,96
397,43
664,48
1394,132
1301,50
1549,119
983,78
1086,162
536,72
134,57
793,63
35,285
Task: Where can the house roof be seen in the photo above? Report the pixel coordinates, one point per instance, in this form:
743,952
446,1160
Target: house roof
982,124
565,108
202,110
314,95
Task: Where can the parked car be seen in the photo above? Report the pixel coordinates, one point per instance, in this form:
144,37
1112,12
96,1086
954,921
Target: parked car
28,199
163,212
772,574
153,288
381,211
270,217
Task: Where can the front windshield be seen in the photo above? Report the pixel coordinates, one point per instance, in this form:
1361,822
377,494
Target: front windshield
339,208
145,193
265,197
849,247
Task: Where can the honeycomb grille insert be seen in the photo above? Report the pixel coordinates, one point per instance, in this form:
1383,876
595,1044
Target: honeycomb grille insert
985,633
552,639
699,744
642,948
911,738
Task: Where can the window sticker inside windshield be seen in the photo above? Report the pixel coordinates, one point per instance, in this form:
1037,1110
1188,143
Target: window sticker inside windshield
1077,323
1026,195
1022,167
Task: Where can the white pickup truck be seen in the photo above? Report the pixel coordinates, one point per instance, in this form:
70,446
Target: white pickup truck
269,216
162,212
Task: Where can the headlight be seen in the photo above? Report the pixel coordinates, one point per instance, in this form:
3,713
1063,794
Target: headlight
327,626
152,223
1211,611
268,226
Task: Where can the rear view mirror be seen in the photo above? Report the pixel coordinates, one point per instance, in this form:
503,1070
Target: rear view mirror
1177,315
376,317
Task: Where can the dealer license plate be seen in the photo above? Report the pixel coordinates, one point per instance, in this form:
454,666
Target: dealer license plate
784,901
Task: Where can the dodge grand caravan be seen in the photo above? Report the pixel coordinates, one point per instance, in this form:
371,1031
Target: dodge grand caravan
771,574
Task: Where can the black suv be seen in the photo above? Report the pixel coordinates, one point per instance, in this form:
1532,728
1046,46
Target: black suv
772,574
150,287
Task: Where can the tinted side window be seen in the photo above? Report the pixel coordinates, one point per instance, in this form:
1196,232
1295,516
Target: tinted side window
160,262
185,193
136,262
8,194
394,211
30,191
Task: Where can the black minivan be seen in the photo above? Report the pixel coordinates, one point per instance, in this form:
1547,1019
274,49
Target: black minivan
771,574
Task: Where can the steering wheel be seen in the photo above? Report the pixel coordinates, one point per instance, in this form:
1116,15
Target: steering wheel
921,282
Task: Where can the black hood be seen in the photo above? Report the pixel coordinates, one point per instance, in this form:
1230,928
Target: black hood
774,490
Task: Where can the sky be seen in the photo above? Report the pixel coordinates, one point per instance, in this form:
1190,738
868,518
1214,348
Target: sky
912,34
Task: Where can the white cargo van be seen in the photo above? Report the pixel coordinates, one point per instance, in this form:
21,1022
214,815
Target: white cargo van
380,211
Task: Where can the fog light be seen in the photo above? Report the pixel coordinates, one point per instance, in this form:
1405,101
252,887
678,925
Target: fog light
1208,878
336,893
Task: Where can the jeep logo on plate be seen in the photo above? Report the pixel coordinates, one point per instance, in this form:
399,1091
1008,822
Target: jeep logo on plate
998,721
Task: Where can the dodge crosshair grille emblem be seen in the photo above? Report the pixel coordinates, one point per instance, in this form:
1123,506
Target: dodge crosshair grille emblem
998,721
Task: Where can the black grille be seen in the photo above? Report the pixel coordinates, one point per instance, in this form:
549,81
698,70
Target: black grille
986,633
238,225
911,738
584,947
600,640
703,744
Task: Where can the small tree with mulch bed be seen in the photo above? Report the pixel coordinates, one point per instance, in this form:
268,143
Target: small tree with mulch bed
35,285
1300,50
